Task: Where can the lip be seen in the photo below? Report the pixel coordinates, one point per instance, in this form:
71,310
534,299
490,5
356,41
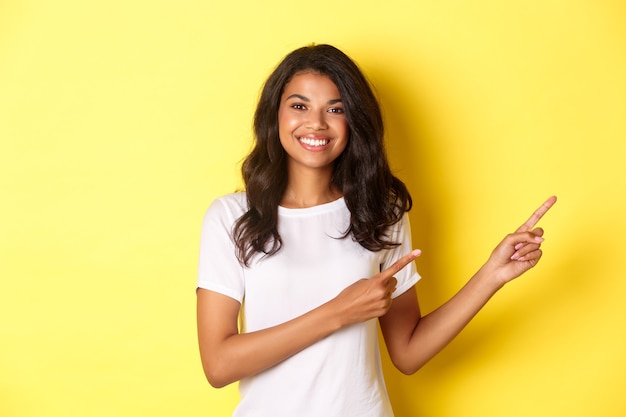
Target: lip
308,142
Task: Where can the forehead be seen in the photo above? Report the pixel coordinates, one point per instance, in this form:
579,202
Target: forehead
312,83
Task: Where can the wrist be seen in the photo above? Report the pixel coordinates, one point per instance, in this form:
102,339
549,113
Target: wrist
331,315
489,279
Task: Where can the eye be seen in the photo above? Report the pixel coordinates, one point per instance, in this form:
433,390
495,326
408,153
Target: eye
298,106
337,110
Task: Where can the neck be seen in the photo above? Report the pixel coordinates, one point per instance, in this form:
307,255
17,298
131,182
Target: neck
308,189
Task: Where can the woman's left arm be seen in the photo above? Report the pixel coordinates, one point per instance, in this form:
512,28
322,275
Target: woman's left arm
413,340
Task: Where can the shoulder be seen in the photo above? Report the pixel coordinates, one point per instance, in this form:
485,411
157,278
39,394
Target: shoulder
230,202
229,206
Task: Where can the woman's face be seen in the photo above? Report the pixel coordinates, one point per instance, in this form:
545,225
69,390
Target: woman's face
312,125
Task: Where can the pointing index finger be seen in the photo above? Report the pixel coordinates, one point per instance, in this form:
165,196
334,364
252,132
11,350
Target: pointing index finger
400,264
537,215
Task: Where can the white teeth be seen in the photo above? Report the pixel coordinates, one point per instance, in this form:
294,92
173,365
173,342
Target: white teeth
314,142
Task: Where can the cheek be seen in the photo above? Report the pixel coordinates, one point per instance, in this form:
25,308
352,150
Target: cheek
344,129
286,121
285,129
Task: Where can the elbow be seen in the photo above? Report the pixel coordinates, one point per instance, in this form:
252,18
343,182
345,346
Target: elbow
406,370
215,381
408,367
217,375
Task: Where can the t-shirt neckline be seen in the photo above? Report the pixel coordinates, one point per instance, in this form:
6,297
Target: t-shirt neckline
321,208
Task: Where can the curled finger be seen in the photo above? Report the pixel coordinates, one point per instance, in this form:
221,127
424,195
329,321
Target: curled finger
391,286
537,232
524,250
533,256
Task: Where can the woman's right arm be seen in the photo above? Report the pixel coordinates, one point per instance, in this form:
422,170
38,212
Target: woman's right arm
228,356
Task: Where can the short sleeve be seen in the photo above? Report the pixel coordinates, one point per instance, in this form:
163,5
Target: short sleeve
219,269
408,276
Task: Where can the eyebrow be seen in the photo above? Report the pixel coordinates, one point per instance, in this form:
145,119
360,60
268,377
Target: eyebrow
306,99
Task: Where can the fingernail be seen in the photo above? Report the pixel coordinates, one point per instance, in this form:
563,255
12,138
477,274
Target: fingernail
515,256
539,239
519,245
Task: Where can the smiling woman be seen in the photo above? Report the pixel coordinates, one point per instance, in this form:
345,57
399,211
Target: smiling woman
313,131
317,252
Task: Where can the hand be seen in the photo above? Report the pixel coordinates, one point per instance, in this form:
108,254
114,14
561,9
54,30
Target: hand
370,298
519,251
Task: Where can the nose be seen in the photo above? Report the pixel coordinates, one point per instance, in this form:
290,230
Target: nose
317,120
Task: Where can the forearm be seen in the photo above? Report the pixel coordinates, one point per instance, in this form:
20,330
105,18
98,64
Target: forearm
437,329
242,355
412,341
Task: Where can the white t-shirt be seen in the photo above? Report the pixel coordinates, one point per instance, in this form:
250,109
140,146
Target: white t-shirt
339,376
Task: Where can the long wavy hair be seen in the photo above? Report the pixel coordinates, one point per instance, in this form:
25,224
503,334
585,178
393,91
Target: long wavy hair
375,197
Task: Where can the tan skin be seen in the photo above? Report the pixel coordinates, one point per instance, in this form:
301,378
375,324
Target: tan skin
228,356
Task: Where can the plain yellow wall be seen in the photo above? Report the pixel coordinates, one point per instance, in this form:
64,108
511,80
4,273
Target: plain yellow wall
121,121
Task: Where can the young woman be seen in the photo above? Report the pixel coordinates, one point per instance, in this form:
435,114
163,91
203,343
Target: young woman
297,272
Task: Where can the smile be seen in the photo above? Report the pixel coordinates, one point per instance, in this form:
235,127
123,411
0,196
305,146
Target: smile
314,142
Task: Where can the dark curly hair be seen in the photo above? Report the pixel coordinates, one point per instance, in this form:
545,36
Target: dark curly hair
375,197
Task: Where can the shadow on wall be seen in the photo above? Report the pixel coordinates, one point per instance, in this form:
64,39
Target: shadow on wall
414,160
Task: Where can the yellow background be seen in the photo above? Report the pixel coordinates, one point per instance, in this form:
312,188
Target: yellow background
120,121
